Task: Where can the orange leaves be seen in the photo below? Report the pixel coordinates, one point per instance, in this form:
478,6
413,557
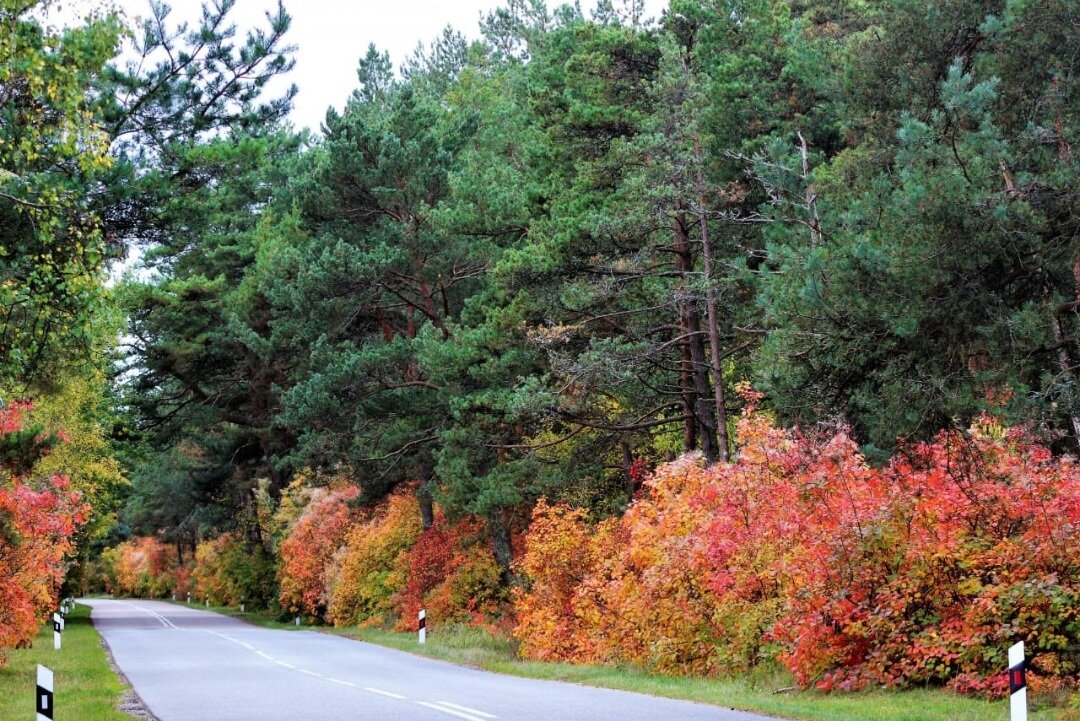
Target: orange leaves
363,576
142,566
309,546
37,521
623,590
923,571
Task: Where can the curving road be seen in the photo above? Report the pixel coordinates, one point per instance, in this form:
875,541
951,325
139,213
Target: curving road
193,665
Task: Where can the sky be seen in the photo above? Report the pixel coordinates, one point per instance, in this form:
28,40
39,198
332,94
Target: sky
332,35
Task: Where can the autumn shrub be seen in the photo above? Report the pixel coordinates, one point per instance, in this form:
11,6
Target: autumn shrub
36,527
308,549
230,570
970,546
559,557
38,518
365,574
451,573
143,567
920,572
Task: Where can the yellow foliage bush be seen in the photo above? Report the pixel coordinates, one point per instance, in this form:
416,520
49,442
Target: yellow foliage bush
365,575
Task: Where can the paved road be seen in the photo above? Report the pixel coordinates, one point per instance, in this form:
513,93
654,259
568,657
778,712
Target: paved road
192,665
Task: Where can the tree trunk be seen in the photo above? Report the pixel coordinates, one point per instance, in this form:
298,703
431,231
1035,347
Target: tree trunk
499,531
686,384
710,308
628,463
1066,366
691,322
427,503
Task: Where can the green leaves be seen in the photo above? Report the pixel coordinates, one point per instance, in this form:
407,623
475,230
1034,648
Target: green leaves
52,147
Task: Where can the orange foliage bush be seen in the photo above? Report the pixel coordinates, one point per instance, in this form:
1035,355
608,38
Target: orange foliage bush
37,521
626,590
142,567
364,576
308,549
451,573
924,571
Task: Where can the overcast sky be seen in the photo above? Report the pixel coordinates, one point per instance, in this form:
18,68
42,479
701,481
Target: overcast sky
332,35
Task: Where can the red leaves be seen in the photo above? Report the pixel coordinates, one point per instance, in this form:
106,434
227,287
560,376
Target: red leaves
37,520
451,573
920,572
309,546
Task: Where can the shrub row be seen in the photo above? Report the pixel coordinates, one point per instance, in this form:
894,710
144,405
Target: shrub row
920,572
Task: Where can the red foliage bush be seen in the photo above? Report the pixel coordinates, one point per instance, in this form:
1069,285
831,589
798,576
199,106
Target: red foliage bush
309,547
923,571
37,521
451,573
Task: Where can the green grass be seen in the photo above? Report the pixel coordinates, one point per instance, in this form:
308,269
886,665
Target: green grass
479,649
86,688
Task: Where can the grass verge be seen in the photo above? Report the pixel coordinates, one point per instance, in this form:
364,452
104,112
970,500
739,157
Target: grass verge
86,687
477,648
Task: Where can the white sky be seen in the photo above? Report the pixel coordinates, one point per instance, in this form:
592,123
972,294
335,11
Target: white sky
332,35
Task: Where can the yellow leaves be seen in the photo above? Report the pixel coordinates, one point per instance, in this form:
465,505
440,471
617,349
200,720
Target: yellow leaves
361,579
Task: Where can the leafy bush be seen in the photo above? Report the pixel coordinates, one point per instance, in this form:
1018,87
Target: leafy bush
921,572
451,573
37,521
364,576
311,542
230,570
142,567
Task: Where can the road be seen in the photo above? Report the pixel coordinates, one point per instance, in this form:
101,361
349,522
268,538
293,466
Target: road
193,665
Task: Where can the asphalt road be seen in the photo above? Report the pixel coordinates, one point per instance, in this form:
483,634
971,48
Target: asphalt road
192,665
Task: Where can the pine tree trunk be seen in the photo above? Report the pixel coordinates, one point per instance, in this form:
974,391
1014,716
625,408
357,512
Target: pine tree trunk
691,323
1065,364
710,308
426,500
499,531
628,463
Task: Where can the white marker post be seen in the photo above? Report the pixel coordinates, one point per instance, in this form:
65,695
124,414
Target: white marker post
1017,683
44,694
58,626
297,620
423,626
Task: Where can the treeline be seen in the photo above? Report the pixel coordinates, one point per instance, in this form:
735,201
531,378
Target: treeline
539,264
89,146
527,265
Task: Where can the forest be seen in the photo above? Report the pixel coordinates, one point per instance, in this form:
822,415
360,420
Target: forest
744,336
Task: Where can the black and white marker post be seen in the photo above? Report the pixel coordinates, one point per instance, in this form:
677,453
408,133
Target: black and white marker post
423,626
44,694
1017,683
58,626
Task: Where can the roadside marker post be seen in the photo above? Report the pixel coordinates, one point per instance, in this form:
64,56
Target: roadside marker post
297,620
44,694
58,626
423,626
1017,683
242,608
